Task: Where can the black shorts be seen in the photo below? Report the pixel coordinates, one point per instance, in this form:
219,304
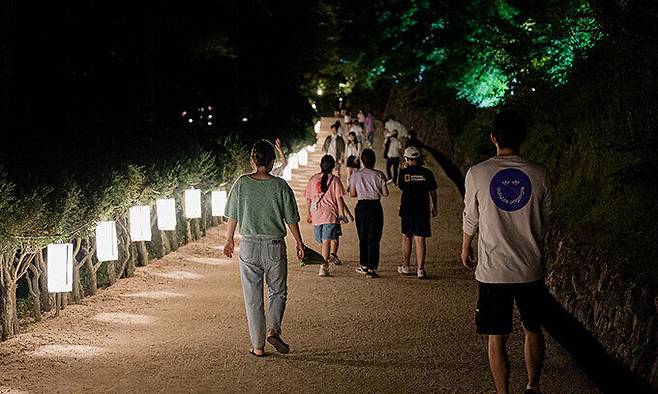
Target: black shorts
493,315
419,226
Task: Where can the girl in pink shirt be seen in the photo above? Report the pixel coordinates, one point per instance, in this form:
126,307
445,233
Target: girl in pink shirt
326,208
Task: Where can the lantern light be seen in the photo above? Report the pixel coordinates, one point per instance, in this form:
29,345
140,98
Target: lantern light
303,157
60,268
107,248
293,161
166,211
193,203
218,202
287,173
140,223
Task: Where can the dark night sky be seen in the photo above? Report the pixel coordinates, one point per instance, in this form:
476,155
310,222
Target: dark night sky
89,76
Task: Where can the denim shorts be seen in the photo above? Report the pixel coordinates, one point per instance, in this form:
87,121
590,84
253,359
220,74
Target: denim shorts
330,231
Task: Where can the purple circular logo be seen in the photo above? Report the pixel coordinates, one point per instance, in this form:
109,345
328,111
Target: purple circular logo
510,189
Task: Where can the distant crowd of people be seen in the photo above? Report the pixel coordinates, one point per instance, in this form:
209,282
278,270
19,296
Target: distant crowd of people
506,202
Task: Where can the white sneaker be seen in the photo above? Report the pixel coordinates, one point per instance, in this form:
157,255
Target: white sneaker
421,274
324,271
403,269
362,270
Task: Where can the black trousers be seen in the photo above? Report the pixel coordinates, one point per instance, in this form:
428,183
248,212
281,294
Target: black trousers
369,225
395,163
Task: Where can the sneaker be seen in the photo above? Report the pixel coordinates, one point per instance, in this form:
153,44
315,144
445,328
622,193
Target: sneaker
372,274
421,274
333,258
362,270
404,269
324,270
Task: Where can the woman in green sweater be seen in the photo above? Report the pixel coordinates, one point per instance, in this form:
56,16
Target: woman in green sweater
262,206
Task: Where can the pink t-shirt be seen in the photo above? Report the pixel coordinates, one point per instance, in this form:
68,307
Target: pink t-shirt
328,206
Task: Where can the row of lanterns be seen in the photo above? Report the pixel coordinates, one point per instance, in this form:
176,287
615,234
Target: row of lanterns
60,256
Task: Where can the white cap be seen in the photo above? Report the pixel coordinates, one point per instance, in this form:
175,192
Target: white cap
412,153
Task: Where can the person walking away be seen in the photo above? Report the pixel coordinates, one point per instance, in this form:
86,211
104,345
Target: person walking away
324,197
507,200
369,126
392,148
368,185
281,161
352,152
417,205
334,145
394,125
262,205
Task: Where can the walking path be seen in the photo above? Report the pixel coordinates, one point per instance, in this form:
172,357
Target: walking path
179,325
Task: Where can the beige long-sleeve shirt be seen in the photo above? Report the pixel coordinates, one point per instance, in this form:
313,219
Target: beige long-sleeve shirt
508,200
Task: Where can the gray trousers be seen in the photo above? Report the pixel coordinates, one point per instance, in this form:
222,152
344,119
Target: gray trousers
263,256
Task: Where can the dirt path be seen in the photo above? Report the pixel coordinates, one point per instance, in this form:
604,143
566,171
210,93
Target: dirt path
179,326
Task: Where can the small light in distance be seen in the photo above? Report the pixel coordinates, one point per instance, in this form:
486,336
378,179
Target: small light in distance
209,108
190,120
210,116
184,114
209,123
320,92
533,89
340,99
315,107
245,120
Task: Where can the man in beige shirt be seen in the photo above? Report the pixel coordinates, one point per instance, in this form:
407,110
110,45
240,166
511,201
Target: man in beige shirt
507,201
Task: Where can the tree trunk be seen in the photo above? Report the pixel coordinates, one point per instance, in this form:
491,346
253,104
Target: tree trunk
132,261
165,244
76,294
33,288
174,241
46,304
142,254
93,282
8,317
188,231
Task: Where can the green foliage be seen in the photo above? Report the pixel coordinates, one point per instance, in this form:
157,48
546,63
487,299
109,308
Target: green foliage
474,48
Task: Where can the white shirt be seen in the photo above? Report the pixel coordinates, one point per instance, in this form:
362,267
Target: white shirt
507,199
332,147
351,150
393,125
394,148
356,129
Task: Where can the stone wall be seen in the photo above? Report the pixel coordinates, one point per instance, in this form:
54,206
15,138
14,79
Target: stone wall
619,314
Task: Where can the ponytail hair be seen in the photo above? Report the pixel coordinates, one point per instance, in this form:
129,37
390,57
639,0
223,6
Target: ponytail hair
327,165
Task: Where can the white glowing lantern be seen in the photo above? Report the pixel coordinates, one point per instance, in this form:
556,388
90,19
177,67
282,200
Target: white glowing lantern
287,173
166,211
60,268
293,161
140,223
218,202
303,157
193,203
107,248
317,127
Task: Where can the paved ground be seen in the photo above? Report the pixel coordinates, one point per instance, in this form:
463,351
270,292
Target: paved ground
179,326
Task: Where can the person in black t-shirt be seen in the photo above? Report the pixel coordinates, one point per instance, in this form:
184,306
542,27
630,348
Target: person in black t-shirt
417,205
